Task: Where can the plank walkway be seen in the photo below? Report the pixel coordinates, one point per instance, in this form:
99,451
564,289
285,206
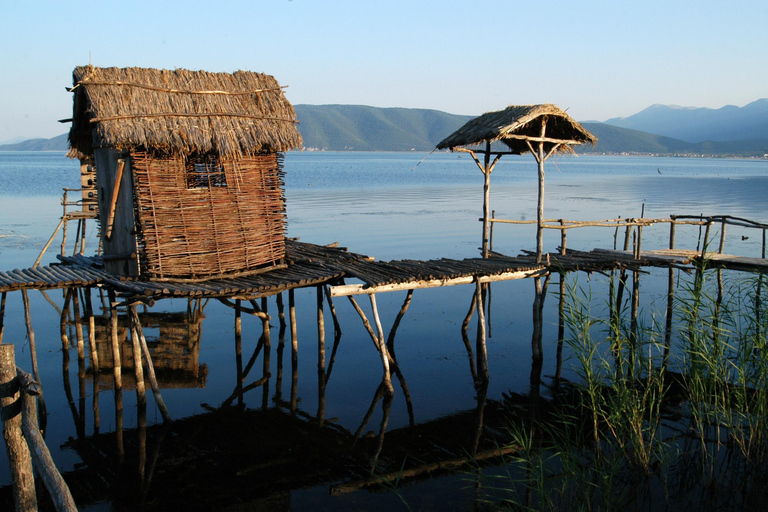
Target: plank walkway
311,265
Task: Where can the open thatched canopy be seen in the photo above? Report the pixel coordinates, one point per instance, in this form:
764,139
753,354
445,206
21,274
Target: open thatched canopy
515,124
180,111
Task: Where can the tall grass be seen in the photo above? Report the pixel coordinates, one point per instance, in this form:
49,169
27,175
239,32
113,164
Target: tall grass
643,426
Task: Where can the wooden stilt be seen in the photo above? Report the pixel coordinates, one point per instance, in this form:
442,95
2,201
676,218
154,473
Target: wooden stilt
19,457
2,316
141,393
48,244
238,353
480,348
382,345
294,351
117,374
94,355
150,367
33,353
336,324
321,382
266,334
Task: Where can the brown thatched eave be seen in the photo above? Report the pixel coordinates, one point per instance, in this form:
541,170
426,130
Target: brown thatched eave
517,125
181,111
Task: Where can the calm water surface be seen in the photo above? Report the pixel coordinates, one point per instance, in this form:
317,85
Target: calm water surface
390,206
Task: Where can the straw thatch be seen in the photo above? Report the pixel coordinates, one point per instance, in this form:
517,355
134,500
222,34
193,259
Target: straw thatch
180,112
516,123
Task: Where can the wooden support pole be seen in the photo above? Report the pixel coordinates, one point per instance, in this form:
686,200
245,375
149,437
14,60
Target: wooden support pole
48,244
722,238
116,373
141,392
19,457
563,237
113,199
94,355
486,198
321,382
294,350
481,349
2,316
672,233
540,158
150,367
382,345
266,333
46,468
33,355
238,353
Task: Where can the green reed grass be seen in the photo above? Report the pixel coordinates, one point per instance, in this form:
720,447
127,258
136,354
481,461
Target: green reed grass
639,430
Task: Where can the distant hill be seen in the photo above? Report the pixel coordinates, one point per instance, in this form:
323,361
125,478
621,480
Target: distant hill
615,140
58,143
363,128
729,123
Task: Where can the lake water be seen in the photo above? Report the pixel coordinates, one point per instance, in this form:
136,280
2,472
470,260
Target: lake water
390,206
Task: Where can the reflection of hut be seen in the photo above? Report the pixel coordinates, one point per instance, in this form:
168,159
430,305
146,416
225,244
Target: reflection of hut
173,339
539,129
188,166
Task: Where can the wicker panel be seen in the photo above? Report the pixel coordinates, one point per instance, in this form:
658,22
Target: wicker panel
193,228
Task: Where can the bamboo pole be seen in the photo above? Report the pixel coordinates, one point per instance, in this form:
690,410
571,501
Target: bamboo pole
486,197
19,457
150,367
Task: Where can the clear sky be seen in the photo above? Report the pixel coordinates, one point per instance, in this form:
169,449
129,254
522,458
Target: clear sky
596,59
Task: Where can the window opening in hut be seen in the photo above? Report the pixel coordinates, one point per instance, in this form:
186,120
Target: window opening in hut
205,172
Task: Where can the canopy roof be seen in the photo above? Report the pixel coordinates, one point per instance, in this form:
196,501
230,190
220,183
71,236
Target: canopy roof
518,123
180,111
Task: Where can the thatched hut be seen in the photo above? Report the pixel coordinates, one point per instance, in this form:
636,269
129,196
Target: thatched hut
539,129
188,168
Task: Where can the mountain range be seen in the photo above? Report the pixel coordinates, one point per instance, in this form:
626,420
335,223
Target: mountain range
659,130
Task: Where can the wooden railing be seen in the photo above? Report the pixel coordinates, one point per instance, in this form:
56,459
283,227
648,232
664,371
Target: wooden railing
633,228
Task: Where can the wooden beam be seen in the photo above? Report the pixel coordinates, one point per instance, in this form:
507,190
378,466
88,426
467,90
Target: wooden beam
359,289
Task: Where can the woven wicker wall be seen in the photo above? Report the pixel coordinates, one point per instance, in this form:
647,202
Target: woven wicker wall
193,228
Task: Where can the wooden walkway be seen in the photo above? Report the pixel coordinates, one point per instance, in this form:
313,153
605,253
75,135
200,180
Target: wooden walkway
311,265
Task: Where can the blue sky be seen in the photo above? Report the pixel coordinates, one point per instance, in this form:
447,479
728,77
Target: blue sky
596,59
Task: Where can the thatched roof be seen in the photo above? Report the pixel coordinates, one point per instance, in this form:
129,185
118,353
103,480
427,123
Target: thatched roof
181,111
517,122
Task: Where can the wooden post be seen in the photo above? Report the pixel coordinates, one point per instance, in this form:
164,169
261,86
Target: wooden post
57,487
150,367
19,457
48,244
540,207
141,392
64,216
33,354
563,237
486,197
266,333
238,353
294,350
481,349
382,345
117,373
672,233
321,382
114,196
94,355
2,316
722,238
